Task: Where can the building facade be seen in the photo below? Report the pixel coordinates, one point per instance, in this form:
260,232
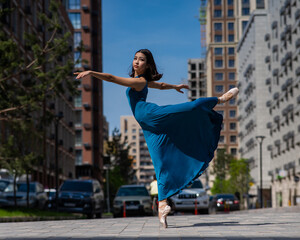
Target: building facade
282,41
142,163
225,22
86,16
196,79
252,110
24,19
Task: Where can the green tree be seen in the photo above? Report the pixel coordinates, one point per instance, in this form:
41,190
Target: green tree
28,82
239,177
220,169
121,163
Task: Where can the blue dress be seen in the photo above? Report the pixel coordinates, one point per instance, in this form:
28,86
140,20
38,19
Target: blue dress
181,138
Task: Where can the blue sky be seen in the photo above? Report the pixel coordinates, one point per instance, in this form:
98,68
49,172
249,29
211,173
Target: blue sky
168,28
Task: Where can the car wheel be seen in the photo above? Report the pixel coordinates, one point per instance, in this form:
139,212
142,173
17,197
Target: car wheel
99,214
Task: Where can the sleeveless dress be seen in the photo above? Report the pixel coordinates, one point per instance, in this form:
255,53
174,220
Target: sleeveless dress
181,138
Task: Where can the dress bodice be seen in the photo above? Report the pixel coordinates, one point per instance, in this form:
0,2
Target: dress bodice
134,97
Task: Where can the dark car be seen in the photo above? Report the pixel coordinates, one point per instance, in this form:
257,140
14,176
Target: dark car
135,198
224,202
81,196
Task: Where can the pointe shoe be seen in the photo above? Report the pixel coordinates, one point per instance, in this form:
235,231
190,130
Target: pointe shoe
163,212
229,95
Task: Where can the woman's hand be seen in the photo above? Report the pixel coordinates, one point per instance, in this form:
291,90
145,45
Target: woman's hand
82,74
180,86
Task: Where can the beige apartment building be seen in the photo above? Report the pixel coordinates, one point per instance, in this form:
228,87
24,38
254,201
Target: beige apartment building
142,163
225,23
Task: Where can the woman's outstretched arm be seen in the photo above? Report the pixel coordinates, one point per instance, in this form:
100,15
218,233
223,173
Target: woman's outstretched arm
136,83
165,86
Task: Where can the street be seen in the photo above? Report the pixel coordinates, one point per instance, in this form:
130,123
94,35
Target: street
283,223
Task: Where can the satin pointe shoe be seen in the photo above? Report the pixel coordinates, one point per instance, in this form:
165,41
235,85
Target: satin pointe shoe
163,212
232,93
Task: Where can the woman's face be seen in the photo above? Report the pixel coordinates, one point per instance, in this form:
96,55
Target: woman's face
139,63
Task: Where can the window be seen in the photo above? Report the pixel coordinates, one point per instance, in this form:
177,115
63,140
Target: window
219,76
221,139
222,113
133,137
193,66
231,63
74,4
193,75
232,113
78,118
218,63
78,100
201,66
231,76
218,38
232,126
244,24
232,139
260,4
231,38
134,130
77,59
231,86
78,157
217,2
217,13
219,88
232,101
77,39
193,84
231,26
233,151
133,150
75,19
219,51
194,93
230,13
245,11
78,138
218,26
230,2
231,51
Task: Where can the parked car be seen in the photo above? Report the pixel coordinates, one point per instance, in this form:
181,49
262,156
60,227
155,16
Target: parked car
6,185
136,199
223,202
81,196
37,196
187,199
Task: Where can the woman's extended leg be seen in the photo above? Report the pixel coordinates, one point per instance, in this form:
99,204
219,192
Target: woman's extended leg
163,210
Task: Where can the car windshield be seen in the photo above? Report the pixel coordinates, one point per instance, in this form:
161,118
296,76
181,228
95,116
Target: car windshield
226,196
3,185
132,191
77,187
23,187
196,184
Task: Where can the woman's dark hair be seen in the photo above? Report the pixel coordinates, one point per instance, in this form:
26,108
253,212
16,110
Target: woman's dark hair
151,73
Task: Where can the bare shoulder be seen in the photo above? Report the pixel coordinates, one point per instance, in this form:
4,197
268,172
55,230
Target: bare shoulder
140,83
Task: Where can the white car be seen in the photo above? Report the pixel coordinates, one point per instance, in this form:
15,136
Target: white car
190,198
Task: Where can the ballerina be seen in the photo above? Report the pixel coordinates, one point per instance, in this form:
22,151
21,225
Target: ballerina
181,138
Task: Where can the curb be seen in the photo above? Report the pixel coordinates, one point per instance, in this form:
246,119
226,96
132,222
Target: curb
32,219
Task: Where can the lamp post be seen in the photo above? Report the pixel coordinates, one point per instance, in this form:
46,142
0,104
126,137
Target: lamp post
106,167
57,118
260,140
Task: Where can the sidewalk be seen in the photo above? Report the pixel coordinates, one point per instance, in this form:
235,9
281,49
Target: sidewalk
263,224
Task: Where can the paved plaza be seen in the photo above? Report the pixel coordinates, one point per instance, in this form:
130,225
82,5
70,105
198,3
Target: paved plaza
263,224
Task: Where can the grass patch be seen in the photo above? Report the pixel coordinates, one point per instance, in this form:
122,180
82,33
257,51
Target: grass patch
30,212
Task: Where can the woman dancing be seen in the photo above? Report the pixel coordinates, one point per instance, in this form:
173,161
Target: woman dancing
181,138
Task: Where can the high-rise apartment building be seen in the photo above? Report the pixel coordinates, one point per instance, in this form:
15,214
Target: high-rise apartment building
225,22
196,79
253,112
85,16
24,19
142,163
